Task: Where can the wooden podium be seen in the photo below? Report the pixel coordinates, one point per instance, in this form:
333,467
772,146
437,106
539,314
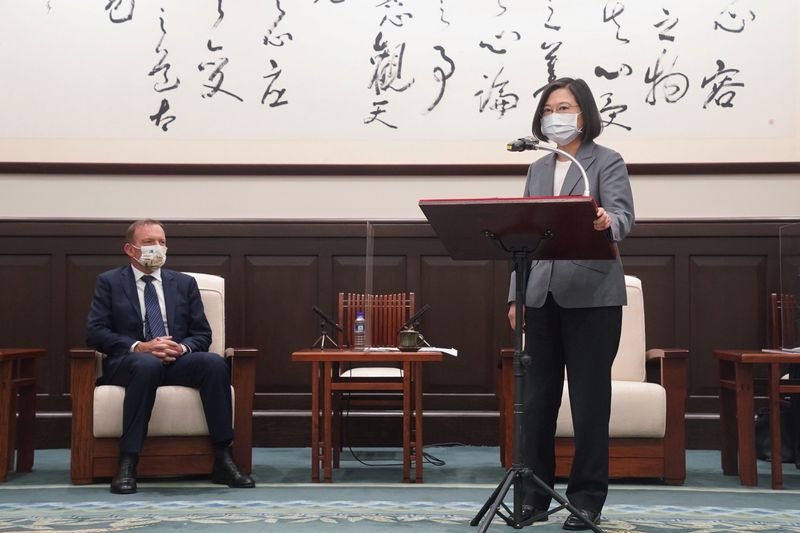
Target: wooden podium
520,229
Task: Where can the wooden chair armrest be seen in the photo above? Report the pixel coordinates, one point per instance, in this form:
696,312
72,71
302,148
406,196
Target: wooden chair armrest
241,352
83,374
243,378
82,353
669,367
666,353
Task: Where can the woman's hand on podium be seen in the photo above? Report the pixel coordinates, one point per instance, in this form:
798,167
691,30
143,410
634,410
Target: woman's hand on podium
603,220
512,314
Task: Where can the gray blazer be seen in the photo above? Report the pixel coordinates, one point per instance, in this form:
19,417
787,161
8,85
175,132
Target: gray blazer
583,283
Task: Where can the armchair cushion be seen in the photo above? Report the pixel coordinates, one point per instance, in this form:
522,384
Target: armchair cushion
638,410
178,412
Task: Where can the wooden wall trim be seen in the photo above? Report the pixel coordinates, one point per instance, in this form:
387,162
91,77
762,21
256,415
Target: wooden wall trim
185,169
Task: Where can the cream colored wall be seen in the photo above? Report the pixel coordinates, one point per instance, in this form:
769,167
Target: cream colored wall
348,197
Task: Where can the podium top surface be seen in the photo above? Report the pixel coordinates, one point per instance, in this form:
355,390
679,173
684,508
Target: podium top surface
463,224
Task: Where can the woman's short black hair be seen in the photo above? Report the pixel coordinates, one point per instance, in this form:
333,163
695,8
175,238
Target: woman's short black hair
592,124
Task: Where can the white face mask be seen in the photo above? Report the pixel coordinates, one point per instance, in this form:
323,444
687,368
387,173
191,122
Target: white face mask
153,256
561,128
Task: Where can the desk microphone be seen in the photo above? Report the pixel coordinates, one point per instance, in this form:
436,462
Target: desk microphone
326,318
414,319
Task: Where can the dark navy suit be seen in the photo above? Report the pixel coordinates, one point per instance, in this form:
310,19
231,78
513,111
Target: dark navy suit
115,323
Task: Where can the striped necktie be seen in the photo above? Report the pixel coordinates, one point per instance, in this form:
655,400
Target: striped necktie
153,321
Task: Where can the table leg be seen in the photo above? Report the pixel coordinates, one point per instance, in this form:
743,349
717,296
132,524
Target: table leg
727,419
25,436
407,378
6,417
327,423
316,450
418,412
746,424
775,425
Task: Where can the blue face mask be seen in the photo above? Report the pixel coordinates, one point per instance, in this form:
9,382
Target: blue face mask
561,128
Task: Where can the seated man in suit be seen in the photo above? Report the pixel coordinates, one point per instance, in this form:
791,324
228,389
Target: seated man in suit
150,323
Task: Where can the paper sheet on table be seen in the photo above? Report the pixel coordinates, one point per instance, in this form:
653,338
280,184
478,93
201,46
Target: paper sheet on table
448,351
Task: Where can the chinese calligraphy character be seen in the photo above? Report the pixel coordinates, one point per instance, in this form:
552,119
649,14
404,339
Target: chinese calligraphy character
277,93
624,70
220,14
551,58
377,112
162,67
441,10
669,23
441,76
731,16
160,118
514,35
396,19
612,111
548,24
119,10
611,16
496,97
388,66
675,84
277,40
721,92
503,8
217,76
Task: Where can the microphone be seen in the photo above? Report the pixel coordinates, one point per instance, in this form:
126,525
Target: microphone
325,317
522,144
532,143
415,318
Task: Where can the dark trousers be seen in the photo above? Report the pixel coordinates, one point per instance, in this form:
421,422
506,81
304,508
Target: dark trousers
585,342
141,374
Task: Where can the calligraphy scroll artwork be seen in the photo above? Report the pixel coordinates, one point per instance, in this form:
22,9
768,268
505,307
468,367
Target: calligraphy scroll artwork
342,73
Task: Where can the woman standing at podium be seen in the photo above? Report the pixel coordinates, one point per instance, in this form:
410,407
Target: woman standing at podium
573,309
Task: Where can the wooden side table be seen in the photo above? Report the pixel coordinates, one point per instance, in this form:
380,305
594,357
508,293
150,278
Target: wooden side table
323,365
737,416
17,395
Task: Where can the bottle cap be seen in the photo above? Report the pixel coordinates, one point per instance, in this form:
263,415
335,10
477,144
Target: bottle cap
359,314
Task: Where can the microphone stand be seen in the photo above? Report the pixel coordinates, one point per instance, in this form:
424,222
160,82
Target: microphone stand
518,472
323,337
532,143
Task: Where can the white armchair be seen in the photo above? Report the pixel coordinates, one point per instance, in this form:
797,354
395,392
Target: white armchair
648,403
177,438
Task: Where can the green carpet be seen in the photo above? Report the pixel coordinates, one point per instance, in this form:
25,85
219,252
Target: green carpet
371,498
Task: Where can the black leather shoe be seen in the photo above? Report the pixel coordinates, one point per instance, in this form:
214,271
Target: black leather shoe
575,523
528,511
227,473
124,481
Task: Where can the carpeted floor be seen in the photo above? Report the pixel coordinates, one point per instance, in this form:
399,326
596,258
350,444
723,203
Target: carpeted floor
371,498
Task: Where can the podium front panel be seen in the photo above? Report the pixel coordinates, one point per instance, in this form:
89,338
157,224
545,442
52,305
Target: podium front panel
462,226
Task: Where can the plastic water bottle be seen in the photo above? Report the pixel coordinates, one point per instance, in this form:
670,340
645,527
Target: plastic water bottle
359,331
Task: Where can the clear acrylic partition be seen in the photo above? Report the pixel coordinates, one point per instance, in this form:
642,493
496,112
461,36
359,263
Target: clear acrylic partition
369,263
789,240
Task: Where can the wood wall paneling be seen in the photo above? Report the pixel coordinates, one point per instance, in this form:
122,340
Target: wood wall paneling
279,294
706,285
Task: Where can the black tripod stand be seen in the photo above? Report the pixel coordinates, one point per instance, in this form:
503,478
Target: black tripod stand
323,338
518,472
